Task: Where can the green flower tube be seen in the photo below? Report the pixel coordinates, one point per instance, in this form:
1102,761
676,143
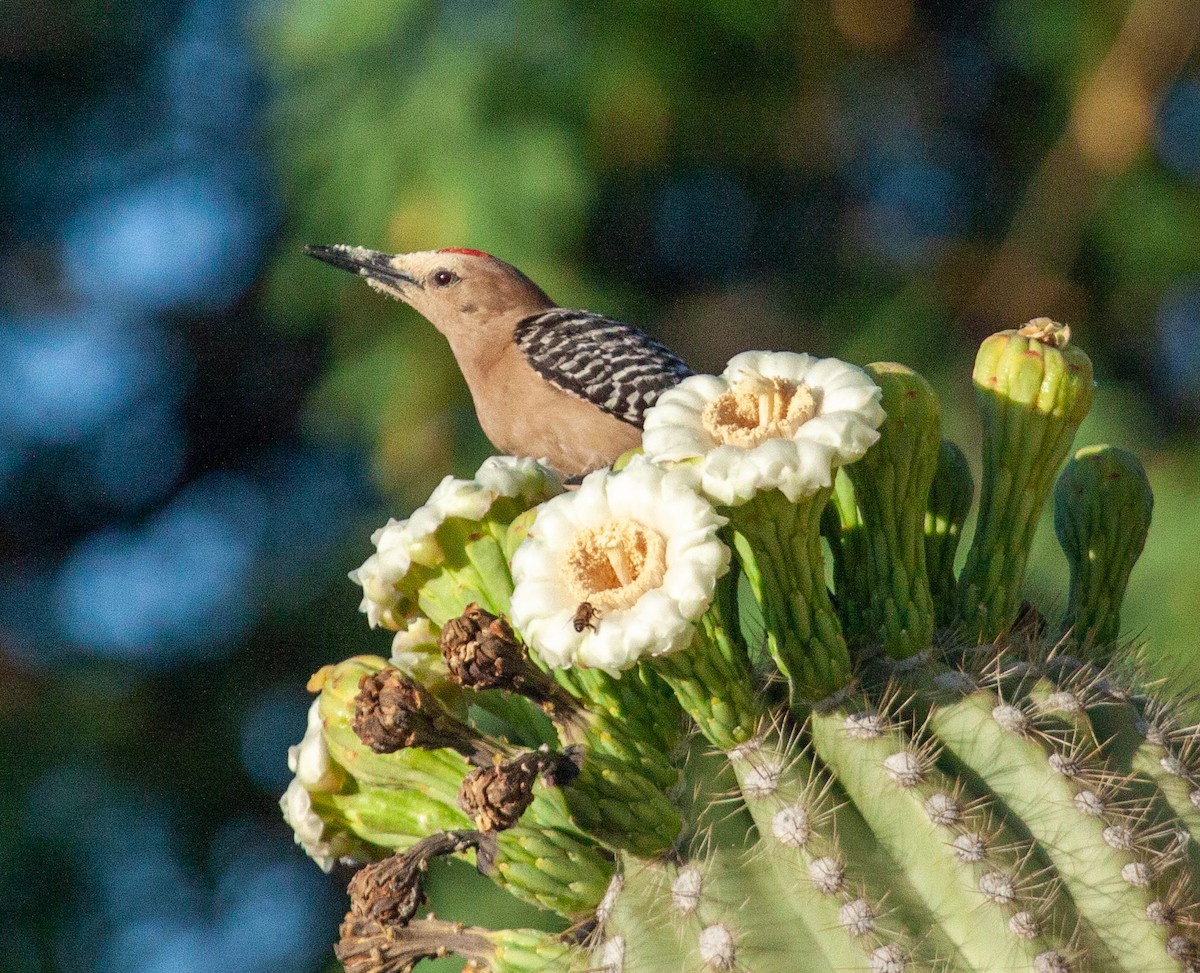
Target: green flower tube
778,543
891,484
1102,509
842,526
1032,389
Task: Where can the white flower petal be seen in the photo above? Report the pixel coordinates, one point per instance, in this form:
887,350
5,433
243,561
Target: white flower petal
832,373
309,759
307,825
854,394
844,434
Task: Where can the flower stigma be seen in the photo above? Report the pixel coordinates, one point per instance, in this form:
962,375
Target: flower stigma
613,564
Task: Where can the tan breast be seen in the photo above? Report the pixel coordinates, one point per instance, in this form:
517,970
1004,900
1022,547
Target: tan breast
524,415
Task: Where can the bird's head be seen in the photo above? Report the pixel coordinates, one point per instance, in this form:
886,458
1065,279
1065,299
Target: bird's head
463,293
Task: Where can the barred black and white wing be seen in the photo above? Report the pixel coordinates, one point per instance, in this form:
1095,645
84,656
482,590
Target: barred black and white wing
613,365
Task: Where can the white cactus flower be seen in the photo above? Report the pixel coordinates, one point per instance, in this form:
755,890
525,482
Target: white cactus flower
618,570
379,575
309,759
401,544
771,420
323,845
415,649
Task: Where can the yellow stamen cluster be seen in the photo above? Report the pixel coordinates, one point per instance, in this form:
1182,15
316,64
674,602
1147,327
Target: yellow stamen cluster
612,565
757,409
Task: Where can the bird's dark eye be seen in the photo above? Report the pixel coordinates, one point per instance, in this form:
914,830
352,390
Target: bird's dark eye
444,278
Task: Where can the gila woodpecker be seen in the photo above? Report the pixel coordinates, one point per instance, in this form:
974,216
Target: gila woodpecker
568,387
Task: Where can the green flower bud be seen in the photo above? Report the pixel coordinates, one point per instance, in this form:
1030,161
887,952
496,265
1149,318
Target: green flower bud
950,498
1102,508
842,526
1032,389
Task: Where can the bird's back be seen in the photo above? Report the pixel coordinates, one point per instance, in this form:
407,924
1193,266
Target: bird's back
606,363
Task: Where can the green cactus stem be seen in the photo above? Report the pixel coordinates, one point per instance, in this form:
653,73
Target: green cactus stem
891,485
950,497
1102,509
1033,389
620,807
925,811
778,544
1051,784
634,719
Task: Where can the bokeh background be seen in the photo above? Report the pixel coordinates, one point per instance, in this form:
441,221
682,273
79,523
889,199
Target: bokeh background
199,428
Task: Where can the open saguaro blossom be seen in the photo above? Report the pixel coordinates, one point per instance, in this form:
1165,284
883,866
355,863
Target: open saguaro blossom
770,421
409,552
764,439
619,570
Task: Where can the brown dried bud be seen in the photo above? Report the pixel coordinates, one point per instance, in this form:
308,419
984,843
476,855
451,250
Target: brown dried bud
390,891
496,797
393,712
367,946
482,652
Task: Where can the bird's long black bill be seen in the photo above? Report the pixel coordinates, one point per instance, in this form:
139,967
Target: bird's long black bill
361,261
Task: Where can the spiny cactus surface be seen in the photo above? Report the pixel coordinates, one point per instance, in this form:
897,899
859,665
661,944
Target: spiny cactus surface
640,706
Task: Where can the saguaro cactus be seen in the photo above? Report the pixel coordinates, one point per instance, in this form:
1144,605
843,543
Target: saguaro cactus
903,774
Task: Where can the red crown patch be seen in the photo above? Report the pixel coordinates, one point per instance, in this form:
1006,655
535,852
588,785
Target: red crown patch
467,250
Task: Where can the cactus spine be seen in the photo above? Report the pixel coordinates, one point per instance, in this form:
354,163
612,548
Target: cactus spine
900,775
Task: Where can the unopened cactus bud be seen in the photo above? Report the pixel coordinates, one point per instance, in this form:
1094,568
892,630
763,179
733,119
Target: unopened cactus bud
1033,388
950,497
1102,510
891,484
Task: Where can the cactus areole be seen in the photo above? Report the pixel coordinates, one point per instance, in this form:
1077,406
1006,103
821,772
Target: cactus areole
640,706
